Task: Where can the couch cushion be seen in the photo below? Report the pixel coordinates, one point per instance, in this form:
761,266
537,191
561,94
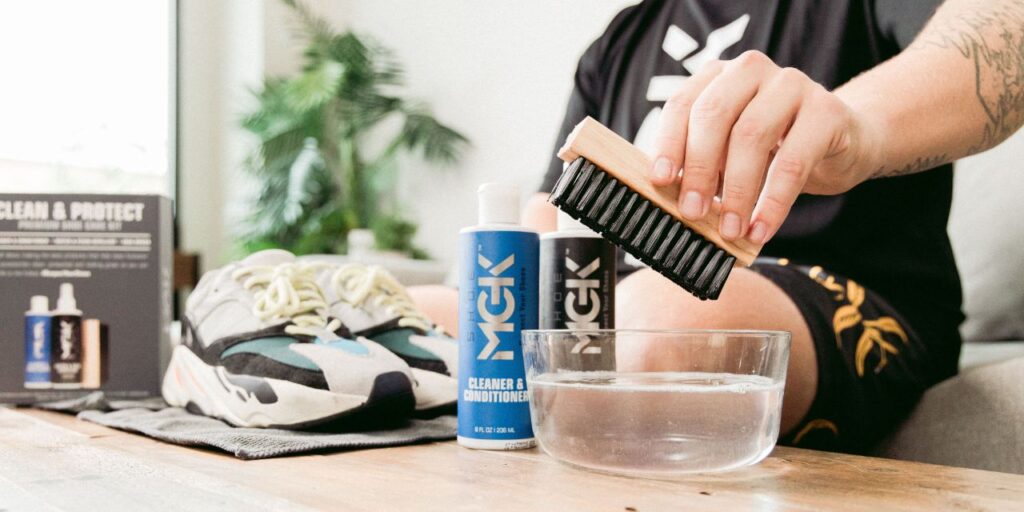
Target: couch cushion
975,354
987,234
974,420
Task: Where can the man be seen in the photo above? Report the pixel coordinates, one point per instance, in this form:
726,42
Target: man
816,132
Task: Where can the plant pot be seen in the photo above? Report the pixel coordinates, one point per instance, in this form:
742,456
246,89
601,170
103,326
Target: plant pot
361,242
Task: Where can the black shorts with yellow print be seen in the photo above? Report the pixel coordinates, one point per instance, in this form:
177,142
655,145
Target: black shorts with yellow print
872,366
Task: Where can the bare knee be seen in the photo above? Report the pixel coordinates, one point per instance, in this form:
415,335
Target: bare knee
439,303
648,300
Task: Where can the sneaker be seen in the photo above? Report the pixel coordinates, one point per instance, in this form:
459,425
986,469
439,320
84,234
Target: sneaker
372,304
257,351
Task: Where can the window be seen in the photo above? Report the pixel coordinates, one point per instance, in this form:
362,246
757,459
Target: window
87,96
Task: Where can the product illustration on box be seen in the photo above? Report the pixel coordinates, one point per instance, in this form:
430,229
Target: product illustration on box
63,350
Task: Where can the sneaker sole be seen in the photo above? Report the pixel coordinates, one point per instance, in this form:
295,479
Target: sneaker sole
246,401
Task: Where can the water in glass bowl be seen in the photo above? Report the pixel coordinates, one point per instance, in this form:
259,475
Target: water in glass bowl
656,422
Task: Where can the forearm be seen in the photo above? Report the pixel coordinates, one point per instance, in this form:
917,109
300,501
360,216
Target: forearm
957,90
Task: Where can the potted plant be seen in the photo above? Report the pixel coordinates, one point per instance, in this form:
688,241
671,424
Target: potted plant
317,178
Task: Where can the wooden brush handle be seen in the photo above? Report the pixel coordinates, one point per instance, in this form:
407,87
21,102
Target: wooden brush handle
616,156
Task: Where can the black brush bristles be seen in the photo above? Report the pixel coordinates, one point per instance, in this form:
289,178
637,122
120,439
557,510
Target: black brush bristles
644,230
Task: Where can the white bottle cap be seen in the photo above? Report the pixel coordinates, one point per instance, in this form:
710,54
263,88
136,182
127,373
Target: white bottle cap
40,304
567,223
66,301
499,203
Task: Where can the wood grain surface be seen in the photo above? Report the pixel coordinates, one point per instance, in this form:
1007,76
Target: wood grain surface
52,461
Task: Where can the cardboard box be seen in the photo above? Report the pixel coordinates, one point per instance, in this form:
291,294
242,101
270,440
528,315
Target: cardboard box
112,254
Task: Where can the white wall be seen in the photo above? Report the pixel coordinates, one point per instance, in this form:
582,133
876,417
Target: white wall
500,72
220,55
987,234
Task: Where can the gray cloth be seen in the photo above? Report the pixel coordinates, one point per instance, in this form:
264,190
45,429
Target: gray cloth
155,419
97,401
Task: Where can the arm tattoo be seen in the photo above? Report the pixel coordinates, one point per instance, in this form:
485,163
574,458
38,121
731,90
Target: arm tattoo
992,38
919,164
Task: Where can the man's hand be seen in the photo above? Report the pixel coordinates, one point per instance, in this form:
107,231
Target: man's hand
761,135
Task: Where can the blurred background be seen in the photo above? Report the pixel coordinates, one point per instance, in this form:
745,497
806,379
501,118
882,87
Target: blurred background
171,97
272,123
499,75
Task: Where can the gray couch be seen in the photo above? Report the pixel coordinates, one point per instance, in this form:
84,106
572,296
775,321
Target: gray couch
976,419
973,420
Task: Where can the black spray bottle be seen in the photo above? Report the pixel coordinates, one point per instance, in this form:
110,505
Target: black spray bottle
577,284
66,341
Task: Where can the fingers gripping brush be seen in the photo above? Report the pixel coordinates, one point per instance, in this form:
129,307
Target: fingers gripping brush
606,187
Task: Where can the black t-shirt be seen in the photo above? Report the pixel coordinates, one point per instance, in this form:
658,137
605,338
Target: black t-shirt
889,234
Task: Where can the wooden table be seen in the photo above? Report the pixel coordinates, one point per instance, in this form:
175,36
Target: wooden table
51,461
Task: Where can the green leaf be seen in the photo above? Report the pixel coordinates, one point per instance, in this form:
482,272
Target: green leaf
315,86
394,233
436,142
299,190
259,244
310,197
311,27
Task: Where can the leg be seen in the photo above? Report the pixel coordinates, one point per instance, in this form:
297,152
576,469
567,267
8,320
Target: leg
646,300
440,304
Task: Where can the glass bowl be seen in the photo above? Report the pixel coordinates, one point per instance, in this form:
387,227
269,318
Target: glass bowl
656,402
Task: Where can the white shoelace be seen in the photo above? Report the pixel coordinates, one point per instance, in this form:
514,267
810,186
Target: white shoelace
288,292
372,285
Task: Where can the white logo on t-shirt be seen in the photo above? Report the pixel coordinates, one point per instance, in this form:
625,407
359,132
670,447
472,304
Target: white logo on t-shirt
678,45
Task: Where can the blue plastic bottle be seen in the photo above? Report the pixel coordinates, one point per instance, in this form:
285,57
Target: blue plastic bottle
498,266
37,343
